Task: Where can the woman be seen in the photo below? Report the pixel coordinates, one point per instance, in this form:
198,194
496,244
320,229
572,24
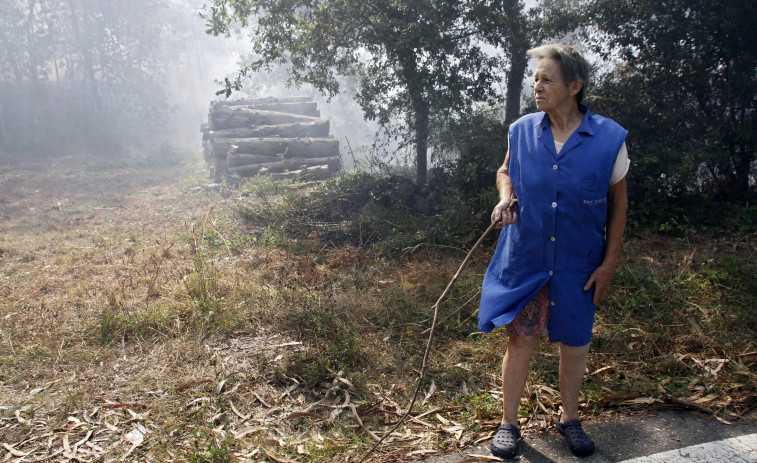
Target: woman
556,255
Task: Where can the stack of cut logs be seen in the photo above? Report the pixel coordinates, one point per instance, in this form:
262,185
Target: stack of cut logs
281,137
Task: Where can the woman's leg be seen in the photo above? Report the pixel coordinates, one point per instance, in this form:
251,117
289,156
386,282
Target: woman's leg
572,369
520,349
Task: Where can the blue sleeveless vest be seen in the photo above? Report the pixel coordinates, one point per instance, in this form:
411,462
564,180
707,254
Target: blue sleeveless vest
559,237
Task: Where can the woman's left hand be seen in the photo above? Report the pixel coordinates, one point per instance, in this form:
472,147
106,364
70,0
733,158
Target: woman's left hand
600,279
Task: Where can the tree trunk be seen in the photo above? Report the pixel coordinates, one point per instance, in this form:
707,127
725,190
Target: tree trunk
315,129
303,108
518,54
31,48
518,64
744,159
89,69
281,166
289,147
2,126
255,101
222,118
421,141
418,119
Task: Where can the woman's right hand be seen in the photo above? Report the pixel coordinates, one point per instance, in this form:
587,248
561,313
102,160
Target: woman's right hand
503,214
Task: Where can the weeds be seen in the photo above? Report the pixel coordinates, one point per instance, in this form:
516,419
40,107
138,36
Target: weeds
229,345
385,213
673,309
208,449
263,187
203,292
671,312
109,326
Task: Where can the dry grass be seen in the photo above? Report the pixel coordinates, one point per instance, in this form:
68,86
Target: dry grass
140,321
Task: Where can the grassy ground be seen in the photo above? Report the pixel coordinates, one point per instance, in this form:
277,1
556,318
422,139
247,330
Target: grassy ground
145,316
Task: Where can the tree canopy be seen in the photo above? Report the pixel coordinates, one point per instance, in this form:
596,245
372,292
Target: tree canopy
686,88
515,29
412,57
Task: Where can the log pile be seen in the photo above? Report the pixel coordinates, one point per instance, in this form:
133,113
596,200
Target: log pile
281,137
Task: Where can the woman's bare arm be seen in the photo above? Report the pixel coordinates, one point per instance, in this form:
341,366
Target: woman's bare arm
502,212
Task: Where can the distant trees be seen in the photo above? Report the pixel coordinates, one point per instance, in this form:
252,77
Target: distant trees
85,73
686,88
683,75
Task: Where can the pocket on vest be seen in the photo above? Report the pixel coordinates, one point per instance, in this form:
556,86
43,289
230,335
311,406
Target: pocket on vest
509,263
593,203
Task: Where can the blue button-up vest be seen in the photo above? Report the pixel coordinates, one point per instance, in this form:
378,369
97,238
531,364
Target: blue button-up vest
559,237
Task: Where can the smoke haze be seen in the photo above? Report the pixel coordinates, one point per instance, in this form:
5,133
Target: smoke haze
102,76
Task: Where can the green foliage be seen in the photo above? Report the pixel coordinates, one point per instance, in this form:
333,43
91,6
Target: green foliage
367,210
108,327
336,211
202,289
508,25
385,213
262,186
688,214
208,449
116,325
471,149
687,92
329,450
482,407
201,306
697,288
468,150
311,368
673,297
415,63
341,345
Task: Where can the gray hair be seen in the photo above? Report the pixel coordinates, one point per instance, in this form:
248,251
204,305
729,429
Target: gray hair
573,65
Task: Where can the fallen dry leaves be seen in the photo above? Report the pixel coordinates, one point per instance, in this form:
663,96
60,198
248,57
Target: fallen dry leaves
68,253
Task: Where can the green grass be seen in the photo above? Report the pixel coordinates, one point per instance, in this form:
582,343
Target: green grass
353,284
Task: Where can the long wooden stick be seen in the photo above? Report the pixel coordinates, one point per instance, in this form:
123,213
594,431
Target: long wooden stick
430,340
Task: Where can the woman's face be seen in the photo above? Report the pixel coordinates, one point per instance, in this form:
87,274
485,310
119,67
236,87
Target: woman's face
550,90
